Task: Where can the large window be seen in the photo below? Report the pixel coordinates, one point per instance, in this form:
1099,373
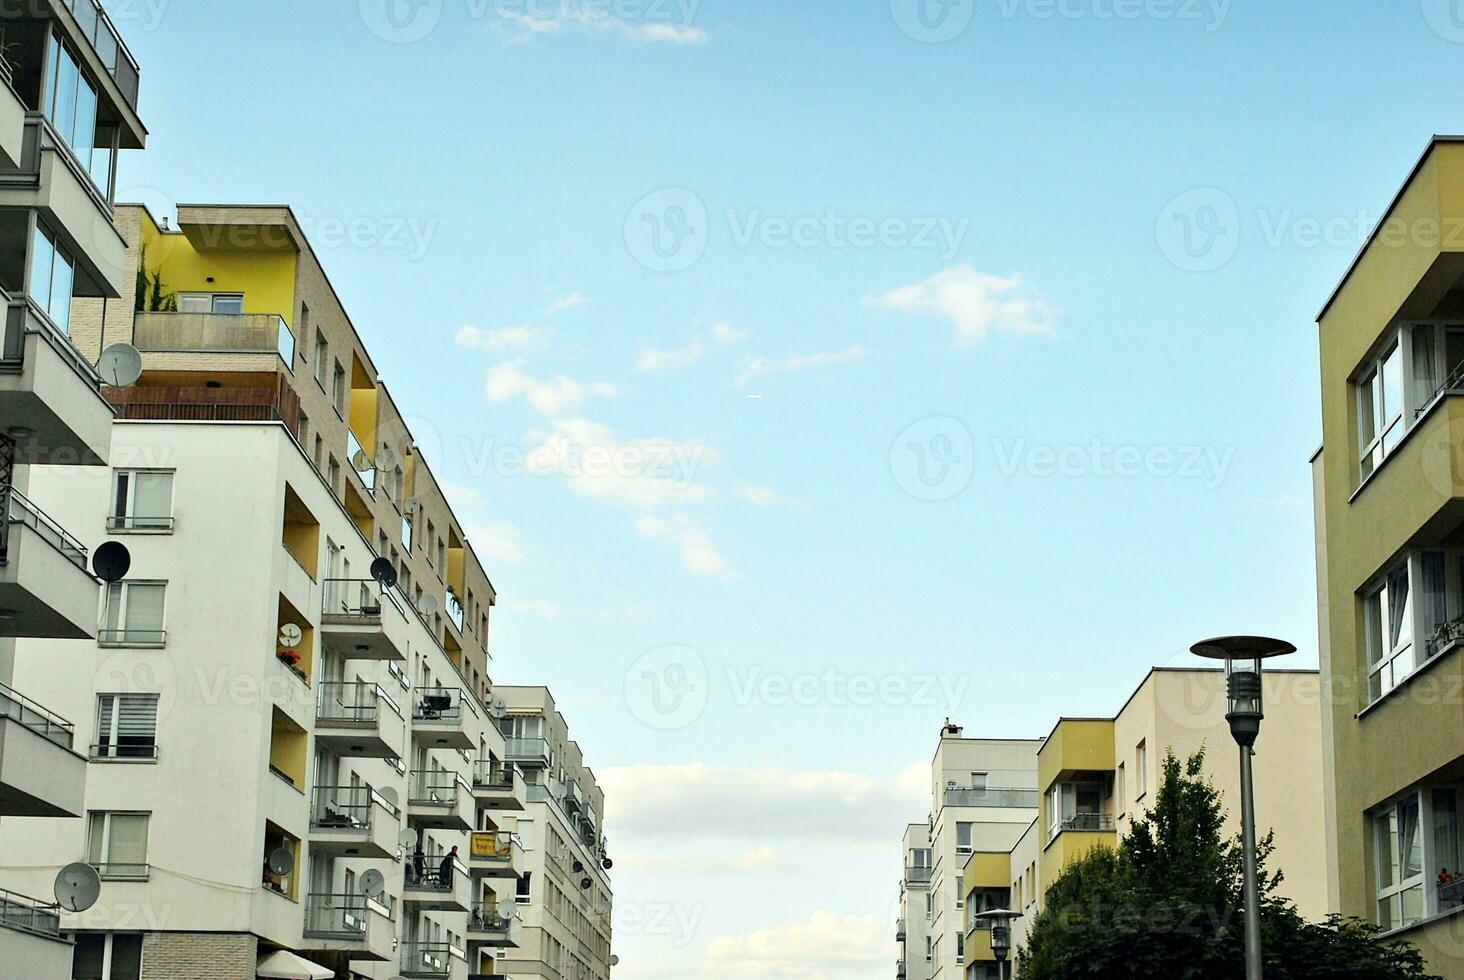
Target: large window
1395,387
134,614
71,108
142,500
963,838
1075,806
229,304
116,844
1416,850
1412,614
52,277
127,726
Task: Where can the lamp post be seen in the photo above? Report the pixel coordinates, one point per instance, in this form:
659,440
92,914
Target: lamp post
1001,934
1244,709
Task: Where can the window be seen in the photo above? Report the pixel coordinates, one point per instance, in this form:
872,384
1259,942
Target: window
963,838
71,105
1394,388
142,500
304,429
322,359
960,946
338,389
1380,408
52,278
227,304
133,614
116,844
1412,614
127,726
333,474
523,889
431,533
319,450
929,949
978,781
407,531
1141,769
1388,615
1121,779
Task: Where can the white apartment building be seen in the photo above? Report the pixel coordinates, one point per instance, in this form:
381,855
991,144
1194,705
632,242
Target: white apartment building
917,907
565,882
983,796
68,105
287,708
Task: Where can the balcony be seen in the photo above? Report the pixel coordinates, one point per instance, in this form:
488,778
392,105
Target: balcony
899,930
488,927
362,621
574,797
1092,823
49,391
1010,799
353,821
495,854
498,786
359,720
351,924
439,800
40,775
421,961
30,934
195,403
917,875
361,463
431,891
116,62
262,336
899,970
51,181
442,719
532,751
45,588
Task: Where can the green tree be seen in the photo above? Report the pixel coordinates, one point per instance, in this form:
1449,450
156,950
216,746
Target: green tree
1167,905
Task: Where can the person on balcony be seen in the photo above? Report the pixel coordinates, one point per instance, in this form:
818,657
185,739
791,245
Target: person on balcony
444,870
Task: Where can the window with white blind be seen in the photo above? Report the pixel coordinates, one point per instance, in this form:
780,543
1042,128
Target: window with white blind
116,844
127,727
133,615
142,500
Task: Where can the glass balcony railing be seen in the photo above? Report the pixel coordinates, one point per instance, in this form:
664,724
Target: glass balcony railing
342,916
18,510
426,960
226,333
354,703
105,39
433,788
27,914
528,750
1016,799
1087,822
350,808
917,873
355,598
438,704
492,774
487,918
19,708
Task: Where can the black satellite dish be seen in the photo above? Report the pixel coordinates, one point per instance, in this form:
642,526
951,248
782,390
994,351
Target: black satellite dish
384,572
578,867
111,561
607,864
585,883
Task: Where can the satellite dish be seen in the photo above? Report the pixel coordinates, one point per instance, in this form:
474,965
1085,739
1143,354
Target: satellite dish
614,960
507,909
585,883
362,462
111,561
77,887
290,636
578,867
498,708
281,861
389,795
607,864
408,838
373,882
430,605
384,572
120,365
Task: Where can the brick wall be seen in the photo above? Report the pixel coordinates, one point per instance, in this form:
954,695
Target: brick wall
198,956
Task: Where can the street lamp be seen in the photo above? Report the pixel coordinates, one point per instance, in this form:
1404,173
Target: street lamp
1244,709
1001,934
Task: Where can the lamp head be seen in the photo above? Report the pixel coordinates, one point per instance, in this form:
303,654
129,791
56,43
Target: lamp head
1243,657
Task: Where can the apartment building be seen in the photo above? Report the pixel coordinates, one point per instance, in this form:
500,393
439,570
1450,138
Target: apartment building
68,106
1097,775
916,907
565,885
1388,490
983,795
297,752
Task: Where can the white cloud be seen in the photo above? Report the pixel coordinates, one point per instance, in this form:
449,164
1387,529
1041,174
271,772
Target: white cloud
558,395
698,552
766,497
823,947
975,303
566,303
728,335
696,802
520,337
595,22
542,608
651,360
502,543
597,462
761,366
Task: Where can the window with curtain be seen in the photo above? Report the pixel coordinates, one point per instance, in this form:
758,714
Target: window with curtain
142,500
127,726
1388,615
1399,849
117,843
134,613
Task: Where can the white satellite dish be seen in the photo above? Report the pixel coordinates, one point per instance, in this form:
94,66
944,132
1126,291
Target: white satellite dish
408,838
290,636
281,861
362,462
120,365
77,887
507,909
373,882
430,605
389,795
498,708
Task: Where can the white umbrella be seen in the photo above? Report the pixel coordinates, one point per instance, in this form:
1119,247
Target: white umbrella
284,965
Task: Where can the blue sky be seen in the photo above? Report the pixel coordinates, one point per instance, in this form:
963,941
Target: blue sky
1103,231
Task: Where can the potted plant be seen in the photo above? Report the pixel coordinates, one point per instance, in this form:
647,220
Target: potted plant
1445,635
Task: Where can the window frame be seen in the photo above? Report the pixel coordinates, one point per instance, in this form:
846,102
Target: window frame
113,752
104,853
1424,796
122,629
126,523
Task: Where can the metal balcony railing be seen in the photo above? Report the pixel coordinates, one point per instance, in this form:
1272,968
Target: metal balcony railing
433,788
355,599
333,916
132,638
430,877
21,709
107,42
17,509
1088,822
352,703
492,774
1021,799
28,914
346,807
438,704
426,960
487,918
